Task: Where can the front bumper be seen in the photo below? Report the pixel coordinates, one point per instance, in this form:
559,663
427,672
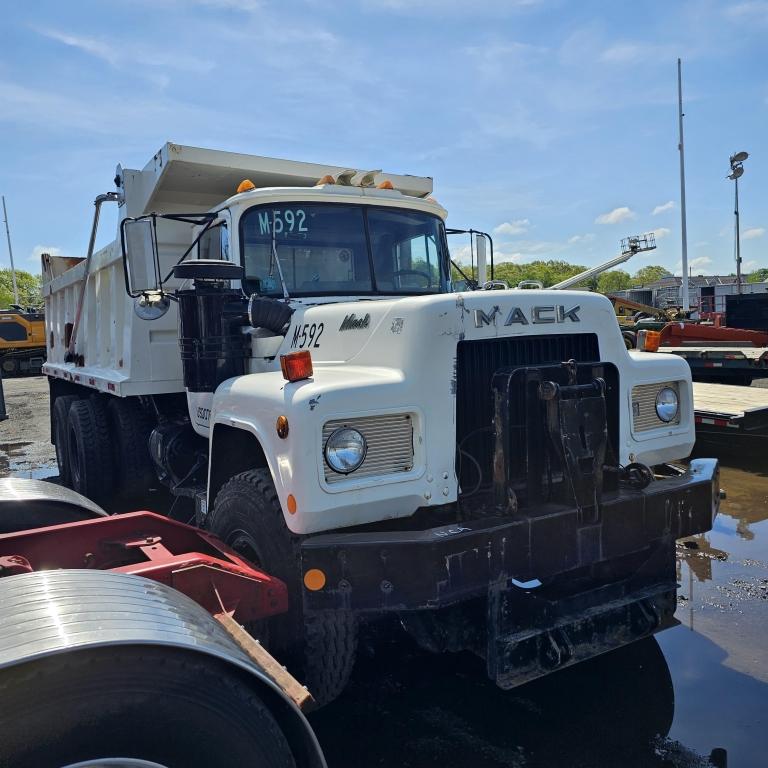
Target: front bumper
443,566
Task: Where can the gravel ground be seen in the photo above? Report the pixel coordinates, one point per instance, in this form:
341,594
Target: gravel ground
25,447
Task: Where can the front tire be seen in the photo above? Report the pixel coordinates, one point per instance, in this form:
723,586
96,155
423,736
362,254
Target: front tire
248,517
166,707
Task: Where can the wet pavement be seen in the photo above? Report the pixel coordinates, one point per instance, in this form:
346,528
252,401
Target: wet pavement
697,695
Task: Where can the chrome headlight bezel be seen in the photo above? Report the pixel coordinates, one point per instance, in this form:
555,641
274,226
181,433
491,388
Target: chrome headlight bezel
355,442
667,404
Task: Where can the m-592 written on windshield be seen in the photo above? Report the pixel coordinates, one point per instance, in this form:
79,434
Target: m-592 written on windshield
339,249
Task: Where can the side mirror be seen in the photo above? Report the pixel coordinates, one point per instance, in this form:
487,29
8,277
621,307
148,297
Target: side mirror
140,259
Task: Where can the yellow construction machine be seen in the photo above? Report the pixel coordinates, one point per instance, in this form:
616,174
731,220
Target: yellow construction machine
22,341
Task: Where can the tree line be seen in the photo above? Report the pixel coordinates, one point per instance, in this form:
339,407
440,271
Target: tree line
554,271
28,286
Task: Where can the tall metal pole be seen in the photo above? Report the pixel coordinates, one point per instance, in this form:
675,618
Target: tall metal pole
10,255
683,226
738,239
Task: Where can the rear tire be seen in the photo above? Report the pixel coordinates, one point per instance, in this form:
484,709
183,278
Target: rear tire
89,450
248,517
163,706
61,406
131,427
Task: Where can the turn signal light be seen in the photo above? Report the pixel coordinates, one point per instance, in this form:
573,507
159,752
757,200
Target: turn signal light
296,365
246,185
648,341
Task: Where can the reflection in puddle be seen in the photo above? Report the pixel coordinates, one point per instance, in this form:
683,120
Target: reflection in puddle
18,461
406,708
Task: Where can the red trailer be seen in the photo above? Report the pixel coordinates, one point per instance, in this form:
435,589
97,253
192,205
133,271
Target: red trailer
121,640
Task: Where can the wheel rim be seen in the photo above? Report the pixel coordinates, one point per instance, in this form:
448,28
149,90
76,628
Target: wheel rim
245,545
115,762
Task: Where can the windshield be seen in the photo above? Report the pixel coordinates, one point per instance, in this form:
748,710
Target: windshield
337,249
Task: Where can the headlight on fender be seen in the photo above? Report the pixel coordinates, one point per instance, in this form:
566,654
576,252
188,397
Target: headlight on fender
345,450
667,404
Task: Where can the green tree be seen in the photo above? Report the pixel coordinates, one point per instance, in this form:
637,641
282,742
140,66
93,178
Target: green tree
650,274
758,276
615,280
28,285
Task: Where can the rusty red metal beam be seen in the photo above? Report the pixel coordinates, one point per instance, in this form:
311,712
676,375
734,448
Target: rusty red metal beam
150,545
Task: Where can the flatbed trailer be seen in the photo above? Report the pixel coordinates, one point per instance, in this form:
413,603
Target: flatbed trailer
722,410
726,365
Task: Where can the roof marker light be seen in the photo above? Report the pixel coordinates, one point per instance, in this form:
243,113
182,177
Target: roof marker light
246,185
386,184
327,179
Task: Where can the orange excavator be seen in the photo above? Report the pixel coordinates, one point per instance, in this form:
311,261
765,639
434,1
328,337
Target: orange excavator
22,341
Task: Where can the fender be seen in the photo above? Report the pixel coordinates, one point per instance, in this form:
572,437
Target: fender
161,617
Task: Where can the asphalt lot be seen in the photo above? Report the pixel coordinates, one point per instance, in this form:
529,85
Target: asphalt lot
702,687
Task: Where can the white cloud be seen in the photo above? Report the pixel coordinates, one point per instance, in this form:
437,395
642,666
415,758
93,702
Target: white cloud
661,208
661,232
698,266
586,238
515,227
756,10
615,216
39,250
749,266
636,53
754,232
119,55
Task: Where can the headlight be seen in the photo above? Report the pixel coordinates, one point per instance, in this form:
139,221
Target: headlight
345,450
667,404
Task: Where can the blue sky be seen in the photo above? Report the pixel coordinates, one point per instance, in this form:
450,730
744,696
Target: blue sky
551,123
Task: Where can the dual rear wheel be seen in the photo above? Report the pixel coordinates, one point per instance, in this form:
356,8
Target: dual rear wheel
102,446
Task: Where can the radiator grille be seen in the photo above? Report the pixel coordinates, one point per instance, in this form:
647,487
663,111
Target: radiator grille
390,445
476,363
644,406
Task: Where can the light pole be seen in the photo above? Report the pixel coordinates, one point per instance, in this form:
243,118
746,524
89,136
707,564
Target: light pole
737,170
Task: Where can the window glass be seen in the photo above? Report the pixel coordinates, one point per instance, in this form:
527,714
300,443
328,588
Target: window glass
328,248
214,243
321,248
406,248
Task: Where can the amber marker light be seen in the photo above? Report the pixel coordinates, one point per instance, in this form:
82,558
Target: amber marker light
314,579
386,184
649,341
327,179
246,185
296,365
292,507
282,427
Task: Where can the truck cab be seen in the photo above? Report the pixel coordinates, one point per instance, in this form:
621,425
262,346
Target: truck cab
283,344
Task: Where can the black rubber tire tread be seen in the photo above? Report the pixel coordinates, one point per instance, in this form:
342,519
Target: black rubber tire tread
321,645
130,427
59,420
172,707
92,469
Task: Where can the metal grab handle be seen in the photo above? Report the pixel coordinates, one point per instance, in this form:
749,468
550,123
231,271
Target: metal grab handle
109,196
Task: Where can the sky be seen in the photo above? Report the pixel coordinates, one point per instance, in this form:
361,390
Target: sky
551,124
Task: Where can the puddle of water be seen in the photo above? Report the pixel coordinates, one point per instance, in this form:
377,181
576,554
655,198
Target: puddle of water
18,460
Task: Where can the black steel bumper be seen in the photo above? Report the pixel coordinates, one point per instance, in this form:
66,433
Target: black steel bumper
438,567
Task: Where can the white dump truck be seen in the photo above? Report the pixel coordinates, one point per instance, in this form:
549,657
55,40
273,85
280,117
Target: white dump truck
282,343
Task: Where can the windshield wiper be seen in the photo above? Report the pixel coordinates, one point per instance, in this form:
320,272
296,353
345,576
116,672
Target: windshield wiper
274,259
